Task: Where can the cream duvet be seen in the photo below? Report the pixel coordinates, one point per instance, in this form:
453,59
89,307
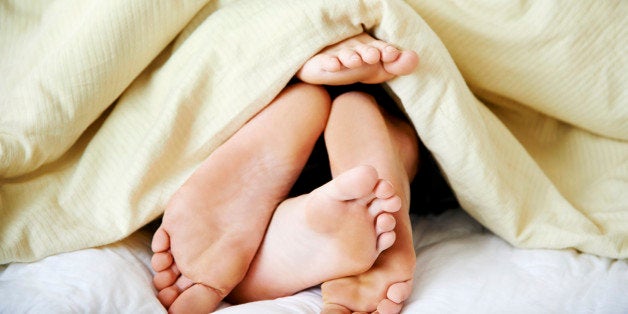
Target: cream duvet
107,106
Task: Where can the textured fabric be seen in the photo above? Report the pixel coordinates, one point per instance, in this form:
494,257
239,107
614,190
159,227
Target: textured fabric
460,268
107,107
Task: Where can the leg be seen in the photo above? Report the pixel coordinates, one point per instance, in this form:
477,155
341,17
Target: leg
214,223
358,132
358,59
337,230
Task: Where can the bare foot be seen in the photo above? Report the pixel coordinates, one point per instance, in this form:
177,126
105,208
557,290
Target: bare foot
215,222
335,231
359,59
359,132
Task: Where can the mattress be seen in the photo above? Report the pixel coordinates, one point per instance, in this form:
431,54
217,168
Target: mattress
461,268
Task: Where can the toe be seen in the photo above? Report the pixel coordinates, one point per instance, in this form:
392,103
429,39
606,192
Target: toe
389,307
334,309
405,64
168,296
165,279
384,223
399,292
183,283
349,58
392,204
161,261
385,240
330,63
384,189
196,299
389,205
390,54
356,183
369,54
161,241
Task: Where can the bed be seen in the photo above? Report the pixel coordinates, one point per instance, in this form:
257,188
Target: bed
461,268
107,107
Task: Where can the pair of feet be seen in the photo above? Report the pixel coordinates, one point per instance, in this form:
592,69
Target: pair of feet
208,246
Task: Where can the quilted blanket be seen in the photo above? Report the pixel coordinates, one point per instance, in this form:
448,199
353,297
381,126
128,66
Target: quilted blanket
106,107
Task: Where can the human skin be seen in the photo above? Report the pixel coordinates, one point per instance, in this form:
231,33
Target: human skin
195,261
213,225
360,132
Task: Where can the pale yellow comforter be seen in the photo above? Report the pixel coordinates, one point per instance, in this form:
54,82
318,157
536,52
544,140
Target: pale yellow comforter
107,106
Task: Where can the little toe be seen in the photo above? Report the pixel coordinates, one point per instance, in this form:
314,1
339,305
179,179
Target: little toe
161,241
385,222
399,292
161,261
385,240
349,58
389,307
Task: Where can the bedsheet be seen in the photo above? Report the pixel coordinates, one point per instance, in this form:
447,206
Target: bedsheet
106,107
461,268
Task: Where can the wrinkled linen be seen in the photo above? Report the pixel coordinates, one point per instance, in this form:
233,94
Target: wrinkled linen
461,268
107,107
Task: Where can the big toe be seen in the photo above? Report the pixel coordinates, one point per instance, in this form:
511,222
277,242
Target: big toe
353,184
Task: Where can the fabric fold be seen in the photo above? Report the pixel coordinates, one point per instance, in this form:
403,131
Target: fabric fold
514,162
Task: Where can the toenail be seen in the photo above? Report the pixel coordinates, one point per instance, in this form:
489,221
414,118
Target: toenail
390,49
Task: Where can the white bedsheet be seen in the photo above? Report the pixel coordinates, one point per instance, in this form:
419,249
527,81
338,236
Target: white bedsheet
461,268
